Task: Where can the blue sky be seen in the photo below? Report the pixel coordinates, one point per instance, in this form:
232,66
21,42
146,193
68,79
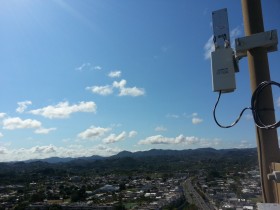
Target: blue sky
94,77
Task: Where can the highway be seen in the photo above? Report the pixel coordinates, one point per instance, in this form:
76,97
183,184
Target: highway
192,196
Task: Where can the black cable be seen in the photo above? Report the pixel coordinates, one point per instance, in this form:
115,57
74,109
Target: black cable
235,122
254,102
255,111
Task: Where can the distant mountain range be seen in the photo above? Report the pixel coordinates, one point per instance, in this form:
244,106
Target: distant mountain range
200,153
129,163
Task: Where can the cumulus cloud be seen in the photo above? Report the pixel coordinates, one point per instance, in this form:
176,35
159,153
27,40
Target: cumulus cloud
44,130
128,91
132,134
17,123
2,115
64,110
22,106
93,133
46,151
1,135
159,139
208,48
210,143
196,120
3,151
134,91
101,90
160,128
114,74
121,84
13,123
43,149
244,144
112,138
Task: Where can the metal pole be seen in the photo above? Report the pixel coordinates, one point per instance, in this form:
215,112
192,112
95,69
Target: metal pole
267,140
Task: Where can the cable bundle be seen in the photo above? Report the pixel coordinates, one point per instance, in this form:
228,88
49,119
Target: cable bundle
254,102
255,111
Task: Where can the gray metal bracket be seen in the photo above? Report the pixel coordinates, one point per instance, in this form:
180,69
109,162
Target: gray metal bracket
268,40
274,176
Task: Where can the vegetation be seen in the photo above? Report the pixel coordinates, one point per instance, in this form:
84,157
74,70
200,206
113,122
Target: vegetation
34,181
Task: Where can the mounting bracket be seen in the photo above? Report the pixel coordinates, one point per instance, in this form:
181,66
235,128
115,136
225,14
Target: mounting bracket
275,176
268,40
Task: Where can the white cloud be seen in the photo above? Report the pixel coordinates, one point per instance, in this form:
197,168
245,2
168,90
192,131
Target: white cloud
83,67
114,74
97,68
190,115
64,110
18,123
235,33
134,91
46,151
93,133
3,151
196,120
43,149
101,90
159,139
88,66
22,106
44,130
121,84
132,134
244,144
194,114
208,48
124,91
1,135
160,128
172,116
210,143
112,138
2,115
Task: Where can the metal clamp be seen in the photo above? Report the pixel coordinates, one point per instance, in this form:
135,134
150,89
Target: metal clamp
274,176
268,39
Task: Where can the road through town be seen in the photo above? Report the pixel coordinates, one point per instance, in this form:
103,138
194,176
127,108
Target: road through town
193,196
